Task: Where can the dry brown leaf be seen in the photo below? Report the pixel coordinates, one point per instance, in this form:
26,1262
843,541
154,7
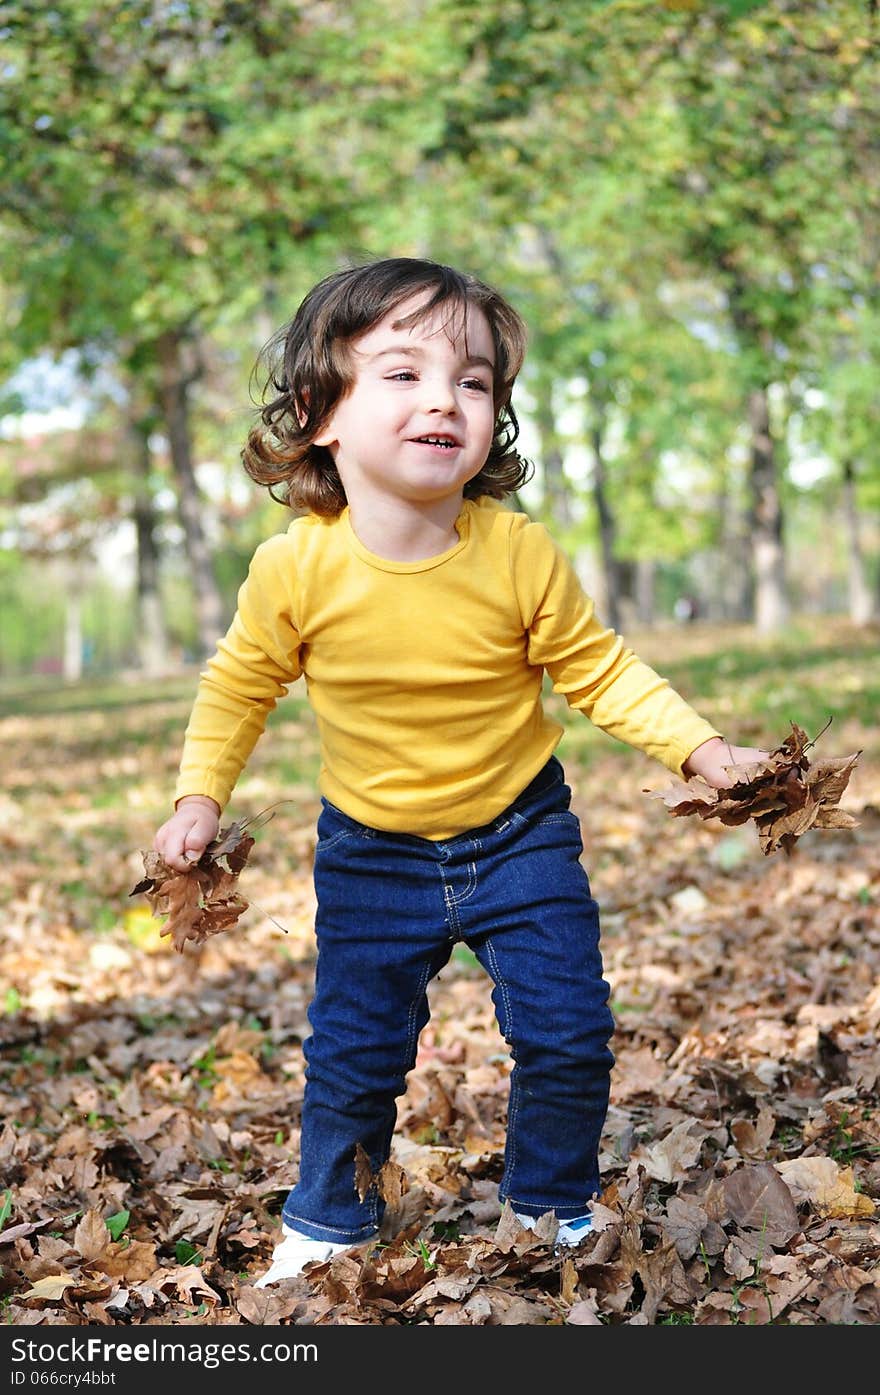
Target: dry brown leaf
265,1307
584,1313
205,899
752,1139
363,1173
568,1282
454,1286
759,1200
785,795
826,1186
91,1237
684,1224
52,1287
188,1281
392,1183
662,1275
671,1157
133,1262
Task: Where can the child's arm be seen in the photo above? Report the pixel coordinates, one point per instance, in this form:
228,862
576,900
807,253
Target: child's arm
252,667
599,676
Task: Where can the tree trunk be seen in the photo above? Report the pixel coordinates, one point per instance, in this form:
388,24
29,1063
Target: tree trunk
152,639
861,602
556,488
771,603
733,585
646,599
174,399
611,610
73,637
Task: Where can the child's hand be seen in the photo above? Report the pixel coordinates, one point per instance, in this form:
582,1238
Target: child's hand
709,760
183,838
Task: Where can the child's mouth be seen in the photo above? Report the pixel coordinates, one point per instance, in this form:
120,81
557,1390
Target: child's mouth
439,442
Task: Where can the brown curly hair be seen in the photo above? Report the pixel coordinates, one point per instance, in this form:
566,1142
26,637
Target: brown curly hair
307,370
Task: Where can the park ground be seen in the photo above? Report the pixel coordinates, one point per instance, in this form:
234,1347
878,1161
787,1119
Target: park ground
151,1100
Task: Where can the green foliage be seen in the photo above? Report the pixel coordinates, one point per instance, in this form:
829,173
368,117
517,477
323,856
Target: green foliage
187,1253
681,198
117,1223
33,615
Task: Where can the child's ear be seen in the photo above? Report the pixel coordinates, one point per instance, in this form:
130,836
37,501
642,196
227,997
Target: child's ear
299,408
327,435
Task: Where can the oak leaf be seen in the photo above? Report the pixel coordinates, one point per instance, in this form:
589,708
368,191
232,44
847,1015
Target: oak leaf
785,795
51,1287
205,899
830,1189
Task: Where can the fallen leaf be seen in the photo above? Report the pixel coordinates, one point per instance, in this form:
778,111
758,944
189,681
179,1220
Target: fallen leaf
51,1287
826,1186
91,1237
670,1158
134,1262
392,1183
758,1199
363,1173
584,1313
752,1139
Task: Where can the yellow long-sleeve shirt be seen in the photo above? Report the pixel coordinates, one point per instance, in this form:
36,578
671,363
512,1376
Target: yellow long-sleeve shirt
425,677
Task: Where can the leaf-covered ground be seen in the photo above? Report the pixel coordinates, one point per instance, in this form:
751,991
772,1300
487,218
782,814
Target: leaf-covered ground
150,1100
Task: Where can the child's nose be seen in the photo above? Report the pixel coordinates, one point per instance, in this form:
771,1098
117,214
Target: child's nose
440,395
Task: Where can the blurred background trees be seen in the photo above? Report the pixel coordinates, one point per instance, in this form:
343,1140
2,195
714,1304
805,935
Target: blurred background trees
681,198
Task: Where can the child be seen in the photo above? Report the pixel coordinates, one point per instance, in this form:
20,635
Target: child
423,614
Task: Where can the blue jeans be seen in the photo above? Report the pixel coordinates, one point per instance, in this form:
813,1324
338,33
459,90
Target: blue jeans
391,907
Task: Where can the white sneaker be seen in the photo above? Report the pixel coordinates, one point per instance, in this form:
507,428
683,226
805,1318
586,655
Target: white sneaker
569,1233
291,1255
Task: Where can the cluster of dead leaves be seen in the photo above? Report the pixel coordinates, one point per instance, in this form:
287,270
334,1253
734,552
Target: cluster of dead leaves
90,1269
746,1225
168,1087
785,795
205,899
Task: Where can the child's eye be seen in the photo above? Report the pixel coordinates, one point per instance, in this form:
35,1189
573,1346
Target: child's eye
476,383
403,375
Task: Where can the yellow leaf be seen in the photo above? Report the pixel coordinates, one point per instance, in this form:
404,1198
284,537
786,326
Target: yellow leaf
827,1187
145,931
51,1287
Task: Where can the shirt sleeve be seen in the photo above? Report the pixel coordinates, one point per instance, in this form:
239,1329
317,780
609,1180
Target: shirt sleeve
253,666
589,664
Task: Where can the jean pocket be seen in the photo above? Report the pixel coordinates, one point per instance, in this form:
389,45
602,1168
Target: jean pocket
325,843
334,826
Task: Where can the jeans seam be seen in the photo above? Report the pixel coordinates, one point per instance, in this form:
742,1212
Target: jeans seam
289,1216
550,1205
513,1095
334,838
472,879
411,1024
452,919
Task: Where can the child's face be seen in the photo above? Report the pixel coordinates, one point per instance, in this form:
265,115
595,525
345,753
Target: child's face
413,387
